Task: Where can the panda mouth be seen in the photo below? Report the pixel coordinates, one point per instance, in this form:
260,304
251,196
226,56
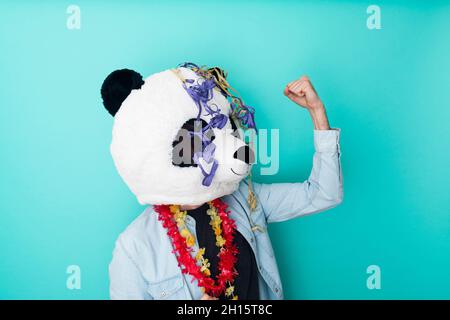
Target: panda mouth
238,174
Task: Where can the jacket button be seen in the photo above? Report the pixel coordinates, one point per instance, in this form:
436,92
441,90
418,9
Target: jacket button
163,294
252,240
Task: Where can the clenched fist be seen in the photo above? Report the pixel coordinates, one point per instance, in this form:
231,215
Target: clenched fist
302,92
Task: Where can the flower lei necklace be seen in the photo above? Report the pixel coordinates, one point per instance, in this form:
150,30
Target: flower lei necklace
173,219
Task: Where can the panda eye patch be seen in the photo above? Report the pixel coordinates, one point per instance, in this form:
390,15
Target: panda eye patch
188,141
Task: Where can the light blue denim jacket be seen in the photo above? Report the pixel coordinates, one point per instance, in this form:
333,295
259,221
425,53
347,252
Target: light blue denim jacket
144,267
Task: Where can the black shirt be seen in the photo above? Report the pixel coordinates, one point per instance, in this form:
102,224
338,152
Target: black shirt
246,282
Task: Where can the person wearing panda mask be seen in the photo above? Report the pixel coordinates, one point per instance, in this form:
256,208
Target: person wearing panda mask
179,143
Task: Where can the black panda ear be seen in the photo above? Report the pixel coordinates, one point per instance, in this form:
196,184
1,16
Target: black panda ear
117,86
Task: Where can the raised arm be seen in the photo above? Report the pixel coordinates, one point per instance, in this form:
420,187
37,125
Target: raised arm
323,189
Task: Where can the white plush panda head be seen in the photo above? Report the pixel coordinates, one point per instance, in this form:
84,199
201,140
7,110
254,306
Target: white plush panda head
177,135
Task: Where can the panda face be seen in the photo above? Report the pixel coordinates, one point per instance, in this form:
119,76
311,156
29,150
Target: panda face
167,150
234,157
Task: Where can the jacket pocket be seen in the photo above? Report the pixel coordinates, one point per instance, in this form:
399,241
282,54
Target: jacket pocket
167,289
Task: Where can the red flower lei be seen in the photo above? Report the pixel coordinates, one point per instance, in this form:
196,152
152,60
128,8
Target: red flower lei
227,255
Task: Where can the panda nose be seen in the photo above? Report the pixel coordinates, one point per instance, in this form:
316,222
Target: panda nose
245,154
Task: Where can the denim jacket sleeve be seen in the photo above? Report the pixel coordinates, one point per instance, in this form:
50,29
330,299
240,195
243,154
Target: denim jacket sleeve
321,191
126,282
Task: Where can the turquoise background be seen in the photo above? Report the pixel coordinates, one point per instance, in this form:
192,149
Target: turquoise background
63,203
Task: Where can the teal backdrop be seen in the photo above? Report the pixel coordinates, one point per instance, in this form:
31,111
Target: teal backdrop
63,203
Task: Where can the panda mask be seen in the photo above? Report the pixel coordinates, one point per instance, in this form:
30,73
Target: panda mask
178,135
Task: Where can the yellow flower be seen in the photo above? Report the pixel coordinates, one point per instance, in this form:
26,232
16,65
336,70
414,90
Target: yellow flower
200,254
229,291
215,220
206,272
185,233
234,298
180,216
220,241
190,240
205,267
217,231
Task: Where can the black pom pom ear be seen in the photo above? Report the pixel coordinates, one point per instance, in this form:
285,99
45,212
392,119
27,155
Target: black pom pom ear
117,86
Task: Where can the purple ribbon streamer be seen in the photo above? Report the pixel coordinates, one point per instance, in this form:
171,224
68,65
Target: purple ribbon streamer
201,93
208,155
244,113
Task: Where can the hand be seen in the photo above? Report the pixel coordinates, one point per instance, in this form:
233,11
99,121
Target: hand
302,92
207,297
